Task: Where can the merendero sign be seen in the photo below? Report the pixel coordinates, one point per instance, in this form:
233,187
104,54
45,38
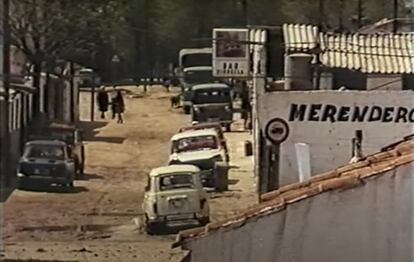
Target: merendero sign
334,113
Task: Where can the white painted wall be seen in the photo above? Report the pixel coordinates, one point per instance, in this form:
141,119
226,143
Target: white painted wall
330,143
373,222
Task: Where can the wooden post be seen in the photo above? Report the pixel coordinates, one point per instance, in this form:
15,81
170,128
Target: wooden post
93,99
5,143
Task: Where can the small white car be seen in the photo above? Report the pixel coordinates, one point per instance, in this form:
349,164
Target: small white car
202,148
174,197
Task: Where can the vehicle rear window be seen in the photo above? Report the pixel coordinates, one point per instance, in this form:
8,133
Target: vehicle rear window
175,181
45,152
211,96
195,143
198,77
196,60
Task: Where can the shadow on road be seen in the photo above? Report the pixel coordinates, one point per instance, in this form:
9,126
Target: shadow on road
35,260
90,128
54,189
72,228
113,140
87,177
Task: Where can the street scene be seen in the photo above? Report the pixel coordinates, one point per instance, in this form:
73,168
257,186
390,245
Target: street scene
206,131
101,217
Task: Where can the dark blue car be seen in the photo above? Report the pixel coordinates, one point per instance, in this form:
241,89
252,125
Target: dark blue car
46,161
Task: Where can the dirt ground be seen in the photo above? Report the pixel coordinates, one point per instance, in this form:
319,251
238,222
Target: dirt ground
97,220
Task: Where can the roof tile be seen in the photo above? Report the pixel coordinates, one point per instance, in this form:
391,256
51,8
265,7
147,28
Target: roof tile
342,178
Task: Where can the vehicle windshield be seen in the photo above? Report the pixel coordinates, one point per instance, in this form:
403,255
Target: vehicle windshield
202,59
174,181
209,96
195,143
198,77
66,136
45,152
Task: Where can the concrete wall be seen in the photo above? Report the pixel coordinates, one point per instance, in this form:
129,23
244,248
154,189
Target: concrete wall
373,222
330,142
353,80
384,82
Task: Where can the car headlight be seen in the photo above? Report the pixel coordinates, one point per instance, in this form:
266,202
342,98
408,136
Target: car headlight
20,174
196,109
187,89
227,108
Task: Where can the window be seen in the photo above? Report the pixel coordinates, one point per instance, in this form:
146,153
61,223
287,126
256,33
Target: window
174,181
148,185
212,96
45,152
198,77
195,143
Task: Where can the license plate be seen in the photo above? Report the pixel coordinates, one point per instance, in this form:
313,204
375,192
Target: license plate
41,172
176,203
180,217
214,119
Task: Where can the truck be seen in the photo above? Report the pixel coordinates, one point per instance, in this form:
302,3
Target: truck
190,57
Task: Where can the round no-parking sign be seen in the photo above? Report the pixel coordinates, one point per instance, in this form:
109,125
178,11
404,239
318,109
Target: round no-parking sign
277,130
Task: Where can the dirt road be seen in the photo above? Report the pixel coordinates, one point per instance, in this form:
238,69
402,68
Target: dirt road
96,221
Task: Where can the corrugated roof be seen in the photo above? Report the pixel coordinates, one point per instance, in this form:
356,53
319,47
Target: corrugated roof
300,38
379,53
344,177
385,53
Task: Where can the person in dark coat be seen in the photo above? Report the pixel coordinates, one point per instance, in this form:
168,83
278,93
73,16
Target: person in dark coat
246,106
118,106
103,101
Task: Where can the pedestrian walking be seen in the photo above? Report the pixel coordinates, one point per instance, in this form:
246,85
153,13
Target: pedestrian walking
118,107
103,101
246,107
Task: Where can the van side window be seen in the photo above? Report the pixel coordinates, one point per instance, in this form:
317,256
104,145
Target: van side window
148,185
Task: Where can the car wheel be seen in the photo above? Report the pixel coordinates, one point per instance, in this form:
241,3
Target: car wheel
153,228
187,110
228,128
71,184
204,221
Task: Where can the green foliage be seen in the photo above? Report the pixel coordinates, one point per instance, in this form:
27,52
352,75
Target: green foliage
50,30
147,34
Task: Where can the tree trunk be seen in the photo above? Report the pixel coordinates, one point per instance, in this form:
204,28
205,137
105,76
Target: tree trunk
37,70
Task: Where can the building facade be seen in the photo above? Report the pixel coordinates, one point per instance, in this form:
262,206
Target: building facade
358,212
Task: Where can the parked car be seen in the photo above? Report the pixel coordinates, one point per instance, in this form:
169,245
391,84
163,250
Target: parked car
69,134
215,126
174,197
46,161
201,148
212,103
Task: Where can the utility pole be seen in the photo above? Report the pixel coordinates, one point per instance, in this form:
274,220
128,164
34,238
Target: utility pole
5,131
360,13
341,15
245,11
321,13
395,16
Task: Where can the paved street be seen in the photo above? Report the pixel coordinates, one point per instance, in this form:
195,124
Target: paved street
97,220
